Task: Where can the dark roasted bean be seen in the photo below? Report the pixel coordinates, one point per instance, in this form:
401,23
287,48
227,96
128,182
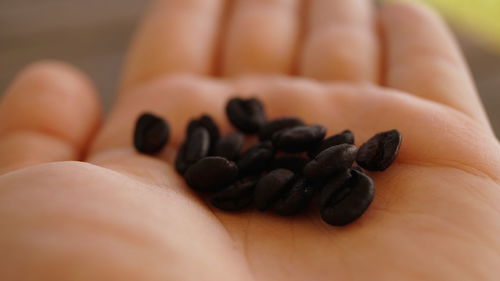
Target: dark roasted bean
299,138
229,146
294,163
378,153
211,174
237,196
208,123
256,159
295,199
348,201
151,134
330,160
358,168
344,137
334,183
195,147
277,125
270,187
247,115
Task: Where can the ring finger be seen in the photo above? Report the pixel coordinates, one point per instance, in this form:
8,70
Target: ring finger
341,42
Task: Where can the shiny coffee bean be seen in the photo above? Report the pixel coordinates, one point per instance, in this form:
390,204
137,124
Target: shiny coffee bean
330,160
256,159
277,125
358,168
195,147
211,174
229,146
295,199
247,115
348,201
294,163
378,153
270,187
151,134
333,184
298,139
237,196
344,137
208,123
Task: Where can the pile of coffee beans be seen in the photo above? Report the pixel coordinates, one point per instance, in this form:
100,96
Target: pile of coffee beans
291,162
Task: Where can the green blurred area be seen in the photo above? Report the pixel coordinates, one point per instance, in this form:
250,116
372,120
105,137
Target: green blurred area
479,19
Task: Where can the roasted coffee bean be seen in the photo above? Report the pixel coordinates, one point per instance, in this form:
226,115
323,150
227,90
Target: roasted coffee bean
344,137
151,134
277,125
348,201
256,159
299,138
208,123
294,163
229,146
330,160
378,153
295,199
333,184
195,147
237,196
211,174
247,115
358,168
271,186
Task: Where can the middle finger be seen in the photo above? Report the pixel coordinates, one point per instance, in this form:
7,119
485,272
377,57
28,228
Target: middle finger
262,37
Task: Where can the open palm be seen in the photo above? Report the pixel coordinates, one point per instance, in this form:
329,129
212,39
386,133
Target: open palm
120,215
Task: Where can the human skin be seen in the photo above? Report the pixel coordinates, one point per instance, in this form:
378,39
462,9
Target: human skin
78,203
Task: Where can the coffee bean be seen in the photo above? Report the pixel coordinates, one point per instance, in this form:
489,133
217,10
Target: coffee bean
211,174
348,201
358,168
151,134
195,147
277,125
378,153
237,196
270,187
294,163
334,183
229,146
295,199
344,137
247,115
330,160
298,139
208,123
256,159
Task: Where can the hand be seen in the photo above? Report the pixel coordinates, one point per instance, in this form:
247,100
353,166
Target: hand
119,215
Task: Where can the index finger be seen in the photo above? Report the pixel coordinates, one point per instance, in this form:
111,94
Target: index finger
176,36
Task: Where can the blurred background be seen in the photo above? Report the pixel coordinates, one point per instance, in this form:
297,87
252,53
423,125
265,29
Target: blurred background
94,34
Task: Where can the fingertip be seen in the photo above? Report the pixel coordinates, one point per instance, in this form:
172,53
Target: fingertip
53,98
53,75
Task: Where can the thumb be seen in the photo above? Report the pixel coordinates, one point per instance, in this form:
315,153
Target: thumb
49,113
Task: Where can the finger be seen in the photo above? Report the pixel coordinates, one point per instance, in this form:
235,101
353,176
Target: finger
262,37
341,42
423,59
176,36
49,113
